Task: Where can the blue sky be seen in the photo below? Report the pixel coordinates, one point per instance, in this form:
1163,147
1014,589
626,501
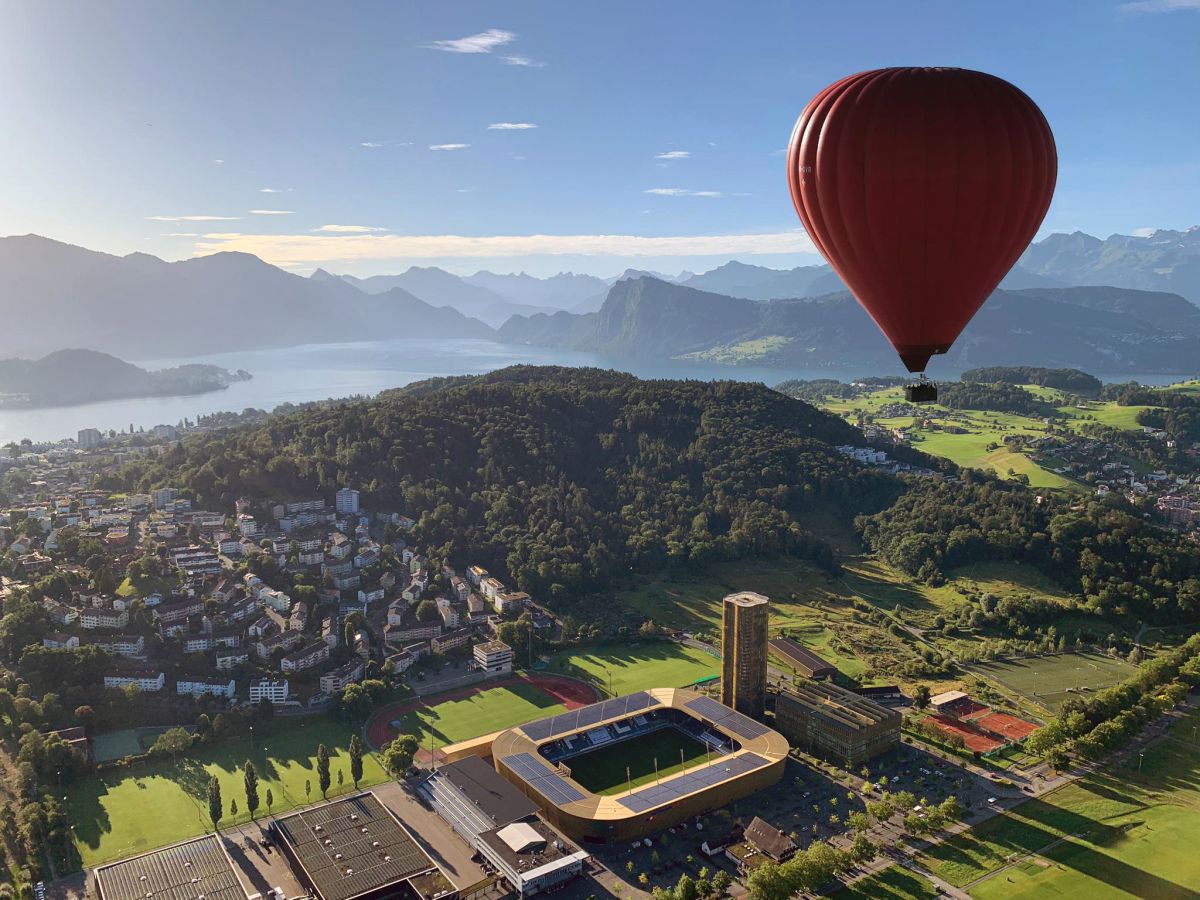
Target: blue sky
164,127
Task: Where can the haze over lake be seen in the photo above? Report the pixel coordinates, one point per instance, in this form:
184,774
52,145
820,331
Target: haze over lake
321,371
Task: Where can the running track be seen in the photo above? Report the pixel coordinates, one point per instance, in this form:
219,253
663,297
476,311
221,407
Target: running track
568,691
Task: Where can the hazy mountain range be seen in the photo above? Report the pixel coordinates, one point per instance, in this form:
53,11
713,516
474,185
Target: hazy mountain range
55,295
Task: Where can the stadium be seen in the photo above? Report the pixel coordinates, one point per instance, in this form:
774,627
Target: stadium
623,768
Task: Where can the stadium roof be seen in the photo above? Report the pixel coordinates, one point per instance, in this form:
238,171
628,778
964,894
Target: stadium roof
187,871
351,848
946,697
799,656
757,746
494,796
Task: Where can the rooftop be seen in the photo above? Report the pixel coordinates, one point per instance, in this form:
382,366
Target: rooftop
838,705
194,869
353,847
493,795
529,845
746,598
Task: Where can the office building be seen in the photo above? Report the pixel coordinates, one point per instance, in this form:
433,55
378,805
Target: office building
744,652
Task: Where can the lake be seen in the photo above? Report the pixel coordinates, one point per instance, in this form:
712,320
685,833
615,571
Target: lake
322,371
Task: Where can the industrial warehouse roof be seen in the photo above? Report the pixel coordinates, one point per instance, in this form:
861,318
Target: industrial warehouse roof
187,871
352,847
837,705
801,658
757,746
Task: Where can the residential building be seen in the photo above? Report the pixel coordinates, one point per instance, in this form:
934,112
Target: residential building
744,652
230,659
444,643
346,501
450,617
340,678
88,438
493,657
60,640
510,601
91,618
273,689
144,679
312,655
199,686
128,645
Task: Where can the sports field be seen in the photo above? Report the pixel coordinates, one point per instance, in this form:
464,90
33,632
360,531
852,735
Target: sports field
1114,834
619,669
127,742
459,715
603,771
154,803
1050,681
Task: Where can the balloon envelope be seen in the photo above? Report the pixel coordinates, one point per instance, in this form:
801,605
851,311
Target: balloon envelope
921,187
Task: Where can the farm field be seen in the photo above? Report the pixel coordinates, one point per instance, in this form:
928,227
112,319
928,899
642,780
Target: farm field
893,883
985,428
603,771
1114,834
148,805
1049,681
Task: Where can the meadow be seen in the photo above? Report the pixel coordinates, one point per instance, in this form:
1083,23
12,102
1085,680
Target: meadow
623,668
1117,833
149,804
893,883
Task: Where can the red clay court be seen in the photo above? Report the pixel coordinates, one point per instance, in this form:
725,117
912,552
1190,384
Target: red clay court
973,740
570,692
1006,726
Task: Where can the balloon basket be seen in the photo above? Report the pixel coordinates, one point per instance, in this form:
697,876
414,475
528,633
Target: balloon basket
921,392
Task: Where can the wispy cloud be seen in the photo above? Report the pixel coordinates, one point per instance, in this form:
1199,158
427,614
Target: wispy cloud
218,162
449,146
511,126
1143,232
681,192
1160,6
272,212
348,229
192,218
291,249
484,42
274,190
525,61
371,145
674,154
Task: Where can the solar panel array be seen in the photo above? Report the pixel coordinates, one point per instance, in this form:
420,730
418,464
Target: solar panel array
730,720
648,798
545,781
187,871
374,851
586,716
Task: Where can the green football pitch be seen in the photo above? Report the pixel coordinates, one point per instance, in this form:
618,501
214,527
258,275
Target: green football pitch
613,769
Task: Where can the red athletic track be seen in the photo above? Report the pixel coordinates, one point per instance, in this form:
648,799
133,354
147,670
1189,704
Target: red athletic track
568,691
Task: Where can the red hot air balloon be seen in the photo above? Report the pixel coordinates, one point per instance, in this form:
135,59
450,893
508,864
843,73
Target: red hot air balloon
921,187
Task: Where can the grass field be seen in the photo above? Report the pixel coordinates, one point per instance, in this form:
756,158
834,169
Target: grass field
458,720
623,669
893,882
1113,834
603,771
1050,681
151,804
984,429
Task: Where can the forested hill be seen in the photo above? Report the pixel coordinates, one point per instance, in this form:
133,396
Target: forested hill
559,478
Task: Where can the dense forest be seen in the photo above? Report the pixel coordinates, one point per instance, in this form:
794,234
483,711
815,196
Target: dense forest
1117,563
998,396
559,478
1073,381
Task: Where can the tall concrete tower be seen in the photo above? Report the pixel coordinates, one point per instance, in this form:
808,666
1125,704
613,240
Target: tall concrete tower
744,652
